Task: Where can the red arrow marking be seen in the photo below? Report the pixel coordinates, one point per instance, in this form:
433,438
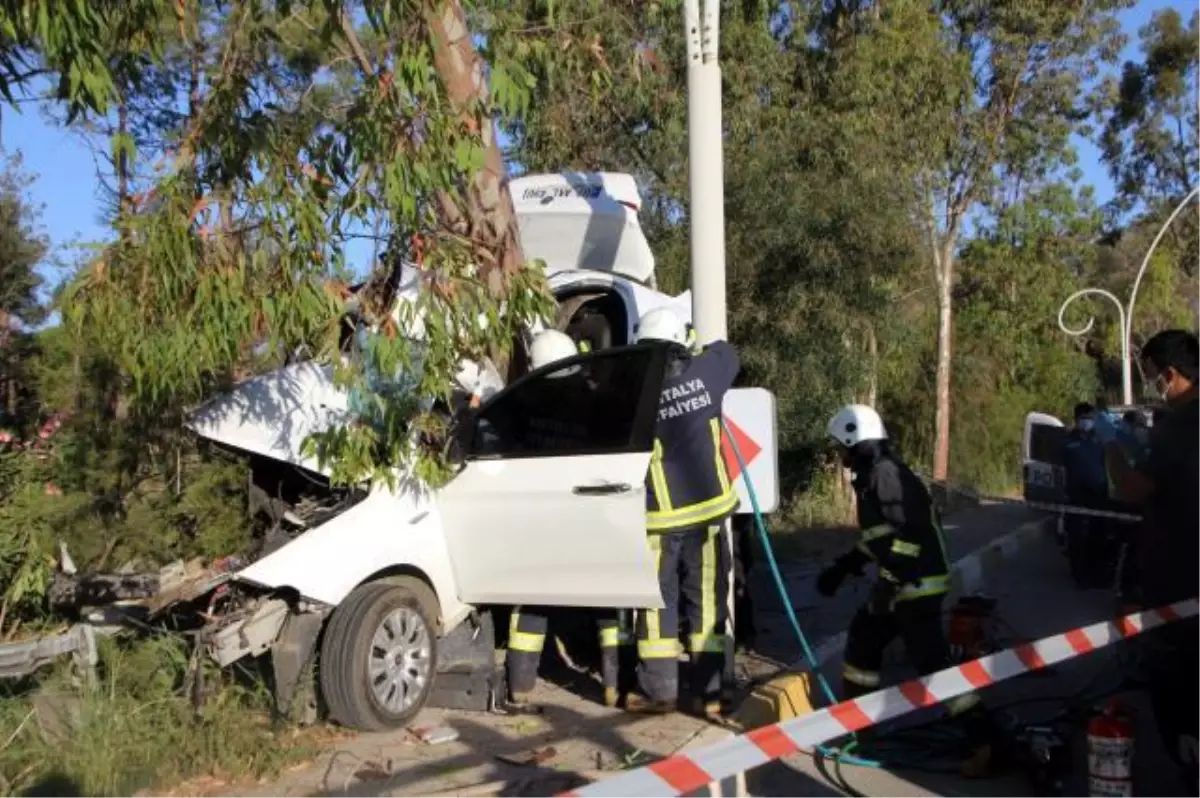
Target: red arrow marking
745,444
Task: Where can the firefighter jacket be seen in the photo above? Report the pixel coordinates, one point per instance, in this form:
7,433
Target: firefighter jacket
901,530
688,485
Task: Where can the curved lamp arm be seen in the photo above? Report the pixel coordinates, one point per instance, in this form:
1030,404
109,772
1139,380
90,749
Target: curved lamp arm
1137,282
1091,322
1126,367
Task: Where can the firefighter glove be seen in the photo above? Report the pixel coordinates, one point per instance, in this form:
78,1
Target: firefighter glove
883,593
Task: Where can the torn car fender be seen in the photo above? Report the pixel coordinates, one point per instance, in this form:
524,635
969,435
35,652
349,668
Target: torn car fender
398,531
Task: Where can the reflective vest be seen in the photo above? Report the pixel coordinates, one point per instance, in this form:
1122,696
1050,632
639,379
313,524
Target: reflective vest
901,530
688,485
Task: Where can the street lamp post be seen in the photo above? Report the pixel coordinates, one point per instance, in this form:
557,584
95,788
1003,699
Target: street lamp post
706,172
1124,312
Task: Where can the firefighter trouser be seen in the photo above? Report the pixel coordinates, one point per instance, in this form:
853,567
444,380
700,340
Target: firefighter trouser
918,622
527,637
1173,658
743,563
693,575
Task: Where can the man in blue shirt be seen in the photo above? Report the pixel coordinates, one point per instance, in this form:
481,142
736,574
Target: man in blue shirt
1087,486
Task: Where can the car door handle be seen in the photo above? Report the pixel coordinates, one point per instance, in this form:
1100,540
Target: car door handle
601,490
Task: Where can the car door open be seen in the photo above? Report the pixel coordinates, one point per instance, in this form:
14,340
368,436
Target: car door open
550,506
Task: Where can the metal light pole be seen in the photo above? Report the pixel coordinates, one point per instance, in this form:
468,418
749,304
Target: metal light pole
706,172
1124,313
706,219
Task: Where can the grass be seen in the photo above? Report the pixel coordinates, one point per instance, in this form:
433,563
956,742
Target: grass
815,523
134,728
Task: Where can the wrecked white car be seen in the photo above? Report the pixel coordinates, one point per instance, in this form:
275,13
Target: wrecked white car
383,590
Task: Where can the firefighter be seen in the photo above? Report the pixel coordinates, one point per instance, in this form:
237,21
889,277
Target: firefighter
689,498
1167,546
902,535
528,625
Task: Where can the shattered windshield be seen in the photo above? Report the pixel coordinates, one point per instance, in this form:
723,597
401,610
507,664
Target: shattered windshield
398,384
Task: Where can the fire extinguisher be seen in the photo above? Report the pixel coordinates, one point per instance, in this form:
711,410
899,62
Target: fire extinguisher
1110,751
967,634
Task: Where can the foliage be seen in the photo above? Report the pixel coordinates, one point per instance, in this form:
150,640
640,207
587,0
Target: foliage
22,247
136,728
1150,115
1010,284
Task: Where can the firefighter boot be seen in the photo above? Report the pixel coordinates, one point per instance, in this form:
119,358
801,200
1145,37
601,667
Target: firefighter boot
712,711
641,705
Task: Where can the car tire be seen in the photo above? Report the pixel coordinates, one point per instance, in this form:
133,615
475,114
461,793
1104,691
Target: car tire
379,655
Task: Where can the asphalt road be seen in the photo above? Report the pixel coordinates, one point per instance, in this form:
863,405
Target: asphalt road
822,617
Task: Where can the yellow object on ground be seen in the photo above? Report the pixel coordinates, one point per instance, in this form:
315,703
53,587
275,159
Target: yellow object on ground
786,696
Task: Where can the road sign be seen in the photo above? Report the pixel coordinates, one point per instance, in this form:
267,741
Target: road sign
750,416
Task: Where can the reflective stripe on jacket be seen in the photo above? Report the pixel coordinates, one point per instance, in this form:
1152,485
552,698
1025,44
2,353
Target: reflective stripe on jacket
901,530
688,485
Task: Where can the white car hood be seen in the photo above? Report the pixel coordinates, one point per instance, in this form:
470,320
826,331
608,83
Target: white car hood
273,414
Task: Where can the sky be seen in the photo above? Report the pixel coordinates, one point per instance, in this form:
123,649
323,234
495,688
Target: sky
66,186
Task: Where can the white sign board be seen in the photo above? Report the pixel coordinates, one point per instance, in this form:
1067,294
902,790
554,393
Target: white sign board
750,418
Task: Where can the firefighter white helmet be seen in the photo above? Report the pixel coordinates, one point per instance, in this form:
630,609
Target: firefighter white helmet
854,424
550,346
662,324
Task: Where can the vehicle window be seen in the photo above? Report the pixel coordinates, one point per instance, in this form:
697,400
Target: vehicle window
1046,443
600,402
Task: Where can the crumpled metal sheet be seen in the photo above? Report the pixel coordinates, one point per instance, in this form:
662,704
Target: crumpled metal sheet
25,657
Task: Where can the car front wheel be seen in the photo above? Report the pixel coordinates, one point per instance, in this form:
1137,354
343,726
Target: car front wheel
379,655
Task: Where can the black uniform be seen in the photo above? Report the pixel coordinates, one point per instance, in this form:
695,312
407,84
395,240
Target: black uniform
689,496
1087,486
902,534
1166,565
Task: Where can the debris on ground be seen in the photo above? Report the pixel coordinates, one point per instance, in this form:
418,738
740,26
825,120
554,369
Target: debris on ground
434,735
534,756
373,771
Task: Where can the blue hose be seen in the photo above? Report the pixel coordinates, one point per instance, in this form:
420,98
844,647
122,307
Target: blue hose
809,656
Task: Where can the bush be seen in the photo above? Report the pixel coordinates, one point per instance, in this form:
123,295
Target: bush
136,727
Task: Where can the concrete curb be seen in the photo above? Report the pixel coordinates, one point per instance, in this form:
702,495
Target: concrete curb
968,574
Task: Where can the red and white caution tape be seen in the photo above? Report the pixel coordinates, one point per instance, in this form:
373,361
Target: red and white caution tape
1068,509
684,773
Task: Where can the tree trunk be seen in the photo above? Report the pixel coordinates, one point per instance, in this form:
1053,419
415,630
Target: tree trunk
488,218
124,200
944,274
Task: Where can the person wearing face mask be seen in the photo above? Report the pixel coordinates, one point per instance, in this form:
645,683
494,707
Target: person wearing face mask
1168,543
1087,486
